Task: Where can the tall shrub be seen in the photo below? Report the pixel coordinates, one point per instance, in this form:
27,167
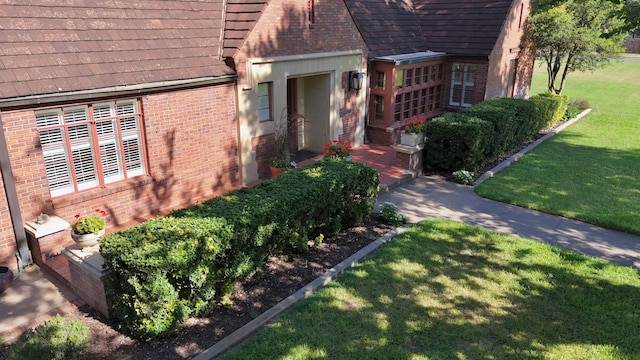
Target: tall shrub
456,141
550,108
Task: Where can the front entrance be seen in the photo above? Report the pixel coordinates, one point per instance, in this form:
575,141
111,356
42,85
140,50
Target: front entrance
309,106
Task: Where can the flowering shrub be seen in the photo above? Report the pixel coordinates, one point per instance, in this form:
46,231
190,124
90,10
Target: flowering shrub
415,125
463,177
90,224
337,149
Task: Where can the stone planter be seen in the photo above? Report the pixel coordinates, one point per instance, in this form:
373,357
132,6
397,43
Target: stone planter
6,278
86,240
411,139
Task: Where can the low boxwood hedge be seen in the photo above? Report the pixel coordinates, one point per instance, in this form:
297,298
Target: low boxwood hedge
170,268
463,141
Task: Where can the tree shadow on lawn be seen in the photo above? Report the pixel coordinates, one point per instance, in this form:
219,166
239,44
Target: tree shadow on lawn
447,290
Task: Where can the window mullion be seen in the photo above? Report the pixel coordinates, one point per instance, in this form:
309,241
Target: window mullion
72,168
95,146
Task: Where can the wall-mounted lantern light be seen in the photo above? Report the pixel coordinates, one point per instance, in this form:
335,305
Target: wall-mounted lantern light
355,80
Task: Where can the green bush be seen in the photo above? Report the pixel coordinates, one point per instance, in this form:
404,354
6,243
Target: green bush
389,215
172,267
550,108
455,141
463,177
571,113
580,104
54,339
504,123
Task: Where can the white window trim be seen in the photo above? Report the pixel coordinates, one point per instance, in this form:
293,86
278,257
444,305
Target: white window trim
64,148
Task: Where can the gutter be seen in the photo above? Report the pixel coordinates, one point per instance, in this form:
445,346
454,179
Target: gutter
23,254
117,90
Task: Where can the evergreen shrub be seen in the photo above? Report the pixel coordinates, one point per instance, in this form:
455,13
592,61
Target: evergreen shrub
170,268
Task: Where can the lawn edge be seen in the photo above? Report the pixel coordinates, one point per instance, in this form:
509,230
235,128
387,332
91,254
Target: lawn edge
515,157
252,327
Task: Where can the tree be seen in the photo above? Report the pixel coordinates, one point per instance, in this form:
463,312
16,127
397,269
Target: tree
577,35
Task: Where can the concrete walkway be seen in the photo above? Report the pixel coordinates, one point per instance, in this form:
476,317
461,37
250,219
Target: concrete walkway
431,197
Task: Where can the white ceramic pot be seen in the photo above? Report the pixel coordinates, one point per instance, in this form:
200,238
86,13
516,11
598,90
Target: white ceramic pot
86,240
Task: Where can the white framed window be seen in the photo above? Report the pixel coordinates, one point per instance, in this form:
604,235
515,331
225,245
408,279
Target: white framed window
265,112
462,84
91,145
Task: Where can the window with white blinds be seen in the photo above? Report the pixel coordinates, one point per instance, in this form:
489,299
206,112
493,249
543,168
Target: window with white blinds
91,145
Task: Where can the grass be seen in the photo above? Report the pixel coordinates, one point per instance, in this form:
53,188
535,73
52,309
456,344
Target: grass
591,170
445,290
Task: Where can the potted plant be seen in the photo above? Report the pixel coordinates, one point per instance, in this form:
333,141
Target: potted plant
337,149
6,278
279,165
281,159
87,230
413,131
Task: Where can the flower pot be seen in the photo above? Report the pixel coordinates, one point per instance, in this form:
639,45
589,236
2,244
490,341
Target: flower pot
411,139
6,278
276,171
86,240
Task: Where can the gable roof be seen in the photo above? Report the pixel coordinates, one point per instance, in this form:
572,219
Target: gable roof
462,27
240,17
457,27
388,27
74,45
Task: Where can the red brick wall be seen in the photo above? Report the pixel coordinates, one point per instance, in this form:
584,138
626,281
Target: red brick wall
284,29
192,154
263,147
480,80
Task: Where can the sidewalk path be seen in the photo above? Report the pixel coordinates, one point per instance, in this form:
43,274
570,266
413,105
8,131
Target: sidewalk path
431,197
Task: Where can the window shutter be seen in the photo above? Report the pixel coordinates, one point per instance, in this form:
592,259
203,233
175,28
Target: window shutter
54,153
106,128
131,138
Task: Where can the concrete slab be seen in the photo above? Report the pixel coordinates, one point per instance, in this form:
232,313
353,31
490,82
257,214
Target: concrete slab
33,294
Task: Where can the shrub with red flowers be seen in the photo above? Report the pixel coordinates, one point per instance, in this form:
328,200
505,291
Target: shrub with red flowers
337,149
415,125
89,224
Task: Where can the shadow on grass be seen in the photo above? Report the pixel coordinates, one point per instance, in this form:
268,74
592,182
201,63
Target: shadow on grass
447,290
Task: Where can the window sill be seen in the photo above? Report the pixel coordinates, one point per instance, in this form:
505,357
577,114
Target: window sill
87,195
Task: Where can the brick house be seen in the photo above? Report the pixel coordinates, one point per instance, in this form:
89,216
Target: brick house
427,57
294,57
139,108
126,107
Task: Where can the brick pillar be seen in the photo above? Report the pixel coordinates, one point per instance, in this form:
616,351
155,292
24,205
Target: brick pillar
410,158
85,266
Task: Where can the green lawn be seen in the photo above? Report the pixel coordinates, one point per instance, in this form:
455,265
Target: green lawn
591,170
445,290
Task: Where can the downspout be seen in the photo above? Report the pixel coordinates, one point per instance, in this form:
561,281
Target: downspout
23,254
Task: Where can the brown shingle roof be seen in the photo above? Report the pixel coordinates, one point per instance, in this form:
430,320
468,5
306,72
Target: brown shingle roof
388,27
61,46
460,27
241,16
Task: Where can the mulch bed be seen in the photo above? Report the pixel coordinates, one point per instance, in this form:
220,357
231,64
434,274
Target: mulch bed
280,277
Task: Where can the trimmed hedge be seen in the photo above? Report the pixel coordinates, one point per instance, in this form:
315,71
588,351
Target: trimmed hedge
456,141
550,108
460,142
170,268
